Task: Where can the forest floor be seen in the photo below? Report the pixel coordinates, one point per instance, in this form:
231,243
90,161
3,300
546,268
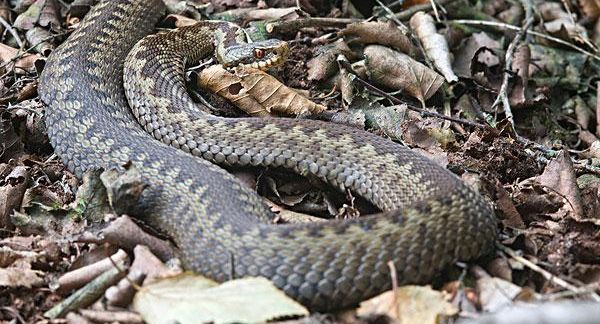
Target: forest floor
502,93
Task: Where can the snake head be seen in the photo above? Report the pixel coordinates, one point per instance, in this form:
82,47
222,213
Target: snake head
260,55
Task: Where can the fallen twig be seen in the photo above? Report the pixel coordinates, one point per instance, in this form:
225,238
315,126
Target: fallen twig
508,59
422,111
125,233
549,153
559,312
598,108
406,14
13,32
28,50
88,293
79,277
121,294
529,32
547,275
289,26
106,316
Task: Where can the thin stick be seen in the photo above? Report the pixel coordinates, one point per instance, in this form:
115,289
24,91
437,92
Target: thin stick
547,275
581,165
424,112
598,108
508,59
13,32
20,55
529,32
435,11
285,27
406,14
390,15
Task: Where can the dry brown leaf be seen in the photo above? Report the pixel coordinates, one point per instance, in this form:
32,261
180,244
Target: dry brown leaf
10,56
559,175
43,13
151,266
434,44
513,15
400,72
12,189
39,36
18,277
289,216
500,267
552,194
552,10
559,23
589,186
256,92
410,304
510,214
11,146
584,114
180,21
496,293
323,64
589,8
124,232
228,86
78,8
382,33
520,65
10,257
471,46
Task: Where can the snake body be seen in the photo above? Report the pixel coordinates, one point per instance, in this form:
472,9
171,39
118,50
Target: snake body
429,220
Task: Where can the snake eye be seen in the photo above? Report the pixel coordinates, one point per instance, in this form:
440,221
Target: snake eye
259,53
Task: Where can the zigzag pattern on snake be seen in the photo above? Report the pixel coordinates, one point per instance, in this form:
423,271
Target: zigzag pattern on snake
429,220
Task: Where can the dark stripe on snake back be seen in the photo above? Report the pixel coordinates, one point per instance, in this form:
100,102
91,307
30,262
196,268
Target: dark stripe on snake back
430,219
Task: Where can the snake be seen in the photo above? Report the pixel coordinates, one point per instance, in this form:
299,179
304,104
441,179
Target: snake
91,86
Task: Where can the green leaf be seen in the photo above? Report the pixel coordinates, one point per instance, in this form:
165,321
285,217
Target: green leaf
190,298
91,201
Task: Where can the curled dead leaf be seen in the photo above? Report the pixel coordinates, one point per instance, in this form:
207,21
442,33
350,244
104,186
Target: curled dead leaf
324,64
18,277
15,60
496,293
179,20
589,8
410,304
43,13
12,189
435,45
559,175
400,72
256,92
561,24
382,33
470,51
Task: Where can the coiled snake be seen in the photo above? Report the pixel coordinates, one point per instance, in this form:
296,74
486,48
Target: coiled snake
429,220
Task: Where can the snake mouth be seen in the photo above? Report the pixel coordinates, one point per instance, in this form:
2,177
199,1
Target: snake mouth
265,64
277,56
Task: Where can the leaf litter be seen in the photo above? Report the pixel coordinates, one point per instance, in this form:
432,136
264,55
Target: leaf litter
542,175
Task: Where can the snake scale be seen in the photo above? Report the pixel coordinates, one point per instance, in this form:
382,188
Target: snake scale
429,218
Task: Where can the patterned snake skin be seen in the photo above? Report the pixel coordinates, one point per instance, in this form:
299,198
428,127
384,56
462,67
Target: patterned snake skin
430,219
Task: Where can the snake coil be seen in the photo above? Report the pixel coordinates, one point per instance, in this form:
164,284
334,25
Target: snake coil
429,220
